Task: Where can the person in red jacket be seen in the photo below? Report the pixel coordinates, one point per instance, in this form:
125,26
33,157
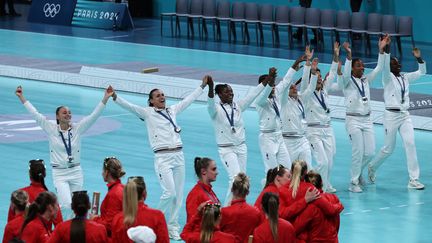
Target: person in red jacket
277,179
136,213
36,227
240,219
37,173
79,229
315,179
113,202
273,228
19,202
209,232
207,172
298,187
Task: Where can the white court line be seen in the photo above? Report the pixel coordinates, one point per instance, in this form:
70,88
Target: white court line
115,36
420,203
384,208
402,206
348,213
366,211
412,84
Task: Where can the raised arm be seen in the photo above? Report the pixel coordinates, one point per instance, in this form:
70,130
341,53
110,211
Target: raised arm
306,95
250,97
305,78
88,121
348,65
288,78
412,76
187,101
386,68
40,119
135,109
382,43
261,100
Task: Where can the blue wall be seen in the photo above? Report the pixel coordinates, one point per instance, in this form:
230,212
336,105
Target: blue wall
418,9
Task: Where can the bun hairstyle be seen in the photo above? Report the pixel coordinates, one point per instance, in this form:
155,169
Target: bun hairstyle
220,87
132,193
273,173
151,97
114,167
39,206
19,199
315,179
270,205
241,185
37,171
201,163
80,206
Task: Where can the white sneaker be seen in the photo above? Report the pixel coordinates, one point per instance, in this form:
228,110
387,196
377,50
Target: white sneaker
355,188
331,189
174,235
371,175
415,184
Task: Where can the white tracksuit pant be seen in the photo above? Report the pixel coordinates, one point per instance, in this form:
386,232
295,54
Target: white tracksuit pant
170,169
394,122
234,159
362,137
299,149
67,181
273,150
323,146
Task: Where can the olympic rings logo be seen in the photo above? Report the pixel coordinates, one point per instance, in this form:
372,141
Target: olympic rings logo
51,10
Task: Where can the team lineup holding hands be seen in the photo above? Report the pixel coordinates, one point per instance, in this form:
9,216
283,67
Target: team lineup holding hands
296,203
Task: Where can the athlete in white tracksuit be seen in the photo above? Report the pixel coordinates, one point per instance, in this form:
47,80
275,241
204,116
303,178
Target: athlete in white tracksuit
294,121
319,131
397,118
165,141
272,146
227,119
358,122
65,147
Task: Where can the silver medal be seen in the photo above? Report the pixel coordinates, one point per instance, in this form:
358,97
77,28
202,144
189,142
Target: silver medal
177,129
233,130
328,110
365,100
70,159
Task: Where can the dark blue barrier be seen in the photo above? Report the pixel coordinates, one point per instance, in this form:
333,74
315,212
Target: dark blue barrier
102,15
52,11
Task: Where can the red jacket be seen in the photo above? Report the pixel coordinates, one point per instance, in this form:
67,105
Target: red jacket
270,188
33,191
240,219
329,209
13,228
287,208
314,223
94,232
191,233
111,205
263,233
37,231
145,216
200,193
332,198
